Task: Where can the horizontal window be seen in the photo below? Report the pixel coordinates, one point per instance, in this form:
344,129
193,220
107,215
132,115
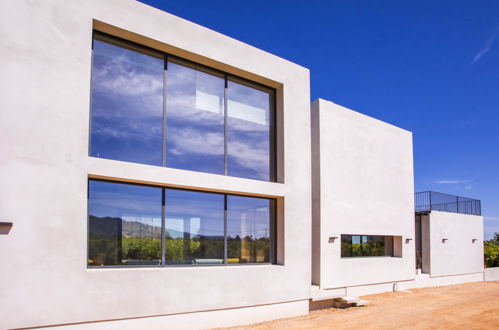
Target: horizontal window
155,109
134,225
366,246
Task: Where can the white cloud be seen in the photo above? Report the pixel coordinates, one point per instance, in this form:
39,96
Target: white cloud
246,153
194,141
450,181
491,218
487,46
250,156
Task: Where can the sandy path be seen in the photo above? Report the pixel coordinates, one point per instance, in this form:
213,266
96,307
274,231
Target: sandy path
462,306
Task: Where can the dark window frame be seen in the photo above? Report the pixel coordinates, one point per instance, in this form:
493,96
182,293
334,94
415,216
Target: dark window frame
272,227
167,57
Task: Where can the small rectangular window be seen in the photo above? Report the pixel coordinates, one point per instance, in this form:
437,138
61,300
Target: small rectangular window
366,246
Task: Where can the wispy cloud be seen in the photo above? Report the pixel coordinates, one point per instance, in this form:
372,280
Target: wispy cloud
487,46
450,181
491,218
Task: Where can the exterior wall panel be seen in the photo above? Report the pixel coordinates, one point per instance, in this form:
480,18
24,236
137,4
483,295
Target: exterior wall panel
45,83
452,250
366,188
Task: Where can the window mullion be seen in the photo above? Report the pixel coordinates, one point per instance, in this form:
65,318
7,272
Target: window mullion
165,81
163,226
225,229
225,126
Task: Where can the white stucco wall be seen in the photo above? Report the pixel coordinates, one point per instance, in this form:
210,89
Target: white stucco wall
45,51
491,274
458,254
366,188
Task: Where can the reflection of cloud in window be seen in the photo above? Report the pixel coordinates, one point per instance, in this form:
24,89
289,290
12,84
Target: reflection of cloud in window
188,140
208,102
133,80
247,112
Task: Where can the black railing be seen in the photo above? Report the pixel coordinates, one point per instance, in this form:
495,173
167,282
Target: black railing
434,201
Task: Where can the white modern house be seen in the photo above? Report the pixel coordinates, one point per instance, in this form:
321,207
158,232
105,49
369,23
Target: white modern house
157,174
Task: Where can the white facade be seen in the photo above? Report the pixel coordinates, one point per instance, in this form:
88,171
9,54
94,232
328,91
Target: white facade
359,181
452,244
362,174
363,185
45,95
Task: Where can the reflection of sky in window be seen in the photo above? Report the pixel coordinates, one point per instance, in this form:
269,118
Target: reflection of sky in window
201,213
127,98
127,110
247,216
125,201
248,144
195,120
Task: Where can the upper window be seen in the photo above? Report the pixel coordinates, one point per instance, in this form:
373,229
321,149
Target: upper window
366,246
155,109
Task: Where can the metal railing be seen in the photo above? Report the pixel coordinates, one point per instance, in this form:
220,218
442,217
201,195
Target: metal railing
434,201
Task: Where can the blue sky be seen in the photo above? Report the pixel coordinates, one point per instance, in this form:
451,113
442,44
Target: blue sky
431,67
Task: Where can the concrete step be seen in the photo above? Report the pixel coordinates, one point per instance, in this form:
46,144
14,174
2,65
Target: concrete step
349,300
346,302
318,294
361,303
327,298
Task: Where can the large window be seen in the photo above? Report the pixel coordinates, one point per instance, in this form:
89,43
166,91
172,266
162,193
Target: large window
152,108
366,246
131,225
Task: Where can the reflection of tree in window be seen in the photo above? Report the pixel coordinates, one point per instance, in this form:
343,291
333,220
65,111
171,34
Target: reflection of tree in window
366,246
124,224
195,224
248,230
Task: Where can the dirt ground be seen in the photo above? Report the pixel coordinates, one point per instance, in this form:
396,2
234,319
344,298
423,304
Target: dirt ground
462,306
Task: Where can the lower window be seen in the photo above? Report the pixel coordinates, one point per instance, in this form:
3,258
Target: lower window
135,225
366,246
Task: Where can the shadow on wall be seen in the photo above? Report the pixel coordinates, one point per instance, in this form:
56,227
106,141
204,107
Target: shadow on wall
5,228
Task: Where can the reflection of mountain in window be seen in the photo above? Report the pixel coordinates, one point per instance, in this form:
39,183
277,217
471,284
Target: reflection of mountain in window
175,227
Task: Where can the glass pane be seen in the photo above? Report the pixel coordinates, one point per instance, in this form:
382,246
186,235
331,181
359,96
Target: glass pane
124,225
194,232
127,105
248,132
346,245
195,120
248,230
366,246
